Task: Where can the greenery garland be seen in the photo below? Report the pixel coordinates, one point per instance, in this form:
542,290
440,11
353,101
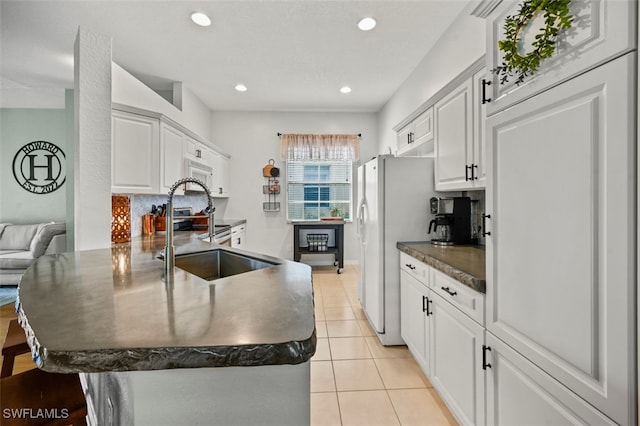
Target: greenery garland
556,18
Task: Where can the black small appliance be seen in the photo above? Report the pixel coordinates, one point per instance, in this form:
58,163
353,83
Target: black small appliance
452,224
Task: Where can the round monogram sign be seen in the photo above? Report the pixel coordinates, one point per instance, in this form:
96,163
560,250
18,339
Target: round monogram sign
39,167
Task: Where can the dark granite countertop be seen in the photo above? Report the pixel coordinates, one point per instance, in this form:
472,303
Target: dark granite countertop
109,310
464,263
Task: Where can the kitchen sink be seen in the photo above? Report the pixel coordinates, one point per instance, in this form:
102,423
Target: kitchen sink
216,264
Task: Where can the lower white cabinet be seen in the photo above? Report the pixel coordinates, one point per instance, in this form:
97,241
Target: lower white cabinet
456,361
520,393
414,326
238,233
446,343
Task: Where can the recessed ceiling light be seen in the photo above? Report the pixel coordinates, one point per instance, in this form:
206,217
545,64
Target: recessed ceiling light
241,87
201,19
367,24
345,89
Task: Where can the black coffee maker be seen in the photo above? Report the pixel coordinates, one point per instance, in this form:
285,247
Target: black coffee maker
452,224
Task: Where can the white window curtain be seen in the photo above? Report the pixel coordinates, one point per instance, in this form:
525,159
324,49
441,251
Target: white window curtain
307,147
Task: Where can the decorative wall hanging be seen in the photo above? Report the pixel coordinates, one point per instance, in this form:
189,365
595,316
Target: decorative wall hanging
39,167
522,60
272,188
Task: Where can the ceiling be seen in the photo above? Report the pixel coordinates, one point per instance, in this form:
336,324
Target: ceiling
293,55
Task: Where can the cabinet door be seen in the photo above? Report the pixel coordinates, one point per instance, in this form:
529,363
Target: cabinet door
192,148
453,142
413,309
479,120
423,127
456,362
134,153
171,157
404,136
561,271
602,29
237,236
519,393
221,172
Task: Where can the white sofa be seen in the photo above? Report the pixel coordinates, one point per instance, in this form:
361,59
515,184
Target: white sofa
21,245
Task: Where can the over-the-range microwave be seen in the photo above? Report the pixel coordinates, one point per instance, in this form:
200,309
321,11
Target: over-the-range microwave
200,171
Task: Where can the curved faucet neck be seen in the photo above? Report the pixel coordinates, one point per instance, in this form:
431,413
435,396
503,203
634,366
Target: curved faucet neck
169,250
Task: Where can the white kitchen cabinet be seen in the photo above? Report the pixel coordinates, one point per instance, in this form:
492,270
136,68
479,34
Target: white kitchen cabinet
221,176
602,30
464,298
456,361
193,149
171,157
414,322
134,153
561,212
413,137
459,161
479,103
238,234
520,393
446,343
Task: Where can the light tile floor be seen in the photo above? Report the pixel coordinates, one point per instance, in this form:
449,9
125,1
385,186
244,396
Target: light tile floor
354,379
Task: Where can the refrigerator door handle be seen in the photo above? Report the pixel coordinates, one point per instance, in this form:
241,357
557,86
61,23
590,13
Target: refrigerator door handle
360,221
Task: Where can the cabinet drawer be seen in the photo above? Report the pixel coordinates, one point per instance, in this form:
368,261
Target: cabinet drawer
414,267
464,298
237,229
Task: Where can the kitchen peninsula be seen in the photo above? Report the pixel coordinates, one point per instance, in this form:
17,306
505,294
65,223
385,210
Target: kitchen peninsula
234,350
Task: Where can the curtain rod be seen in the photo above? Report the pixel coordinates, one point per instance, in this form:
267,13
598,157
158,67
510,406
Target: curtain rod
359,134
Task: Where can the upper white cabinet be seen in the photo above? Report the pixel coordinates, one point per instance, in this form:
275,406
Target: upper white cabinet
221,176
415,136
478,160
561,273
459,120
602,30
134,153
149,152
171,151
453,139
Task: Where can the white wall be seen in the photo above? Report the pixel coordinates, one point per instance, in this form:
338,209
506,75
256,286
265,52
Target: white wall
461,45
91,172
250,138
130,91
17,128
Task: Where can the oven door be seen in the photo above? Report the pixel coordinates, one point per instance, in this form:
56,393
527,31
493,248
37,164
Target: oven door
198,171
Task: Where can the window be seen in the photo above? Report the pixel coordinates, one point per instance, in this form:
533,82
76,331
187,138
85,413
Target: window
317,189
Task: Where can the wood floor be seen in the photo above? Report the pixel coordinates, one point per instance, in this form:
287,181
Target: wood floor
22,362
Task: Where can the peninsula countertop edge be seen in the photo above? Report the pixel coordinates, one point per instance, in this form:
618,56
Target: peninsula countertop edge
110,310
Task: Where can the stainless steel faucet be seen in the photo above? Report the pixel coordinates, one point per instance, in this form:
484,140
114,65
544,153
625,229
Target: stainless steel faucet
169,249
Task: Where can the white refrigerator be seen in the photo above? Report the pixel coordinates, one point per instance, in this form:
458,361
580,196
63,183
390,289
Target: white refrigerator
393,205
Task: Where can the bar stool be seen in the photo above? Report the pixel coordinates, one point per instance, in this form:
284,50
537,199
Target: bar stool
15,344
35,397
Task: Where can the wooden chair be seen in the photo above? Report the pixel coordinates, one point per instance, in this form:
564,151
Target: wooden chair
35,397
15,344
